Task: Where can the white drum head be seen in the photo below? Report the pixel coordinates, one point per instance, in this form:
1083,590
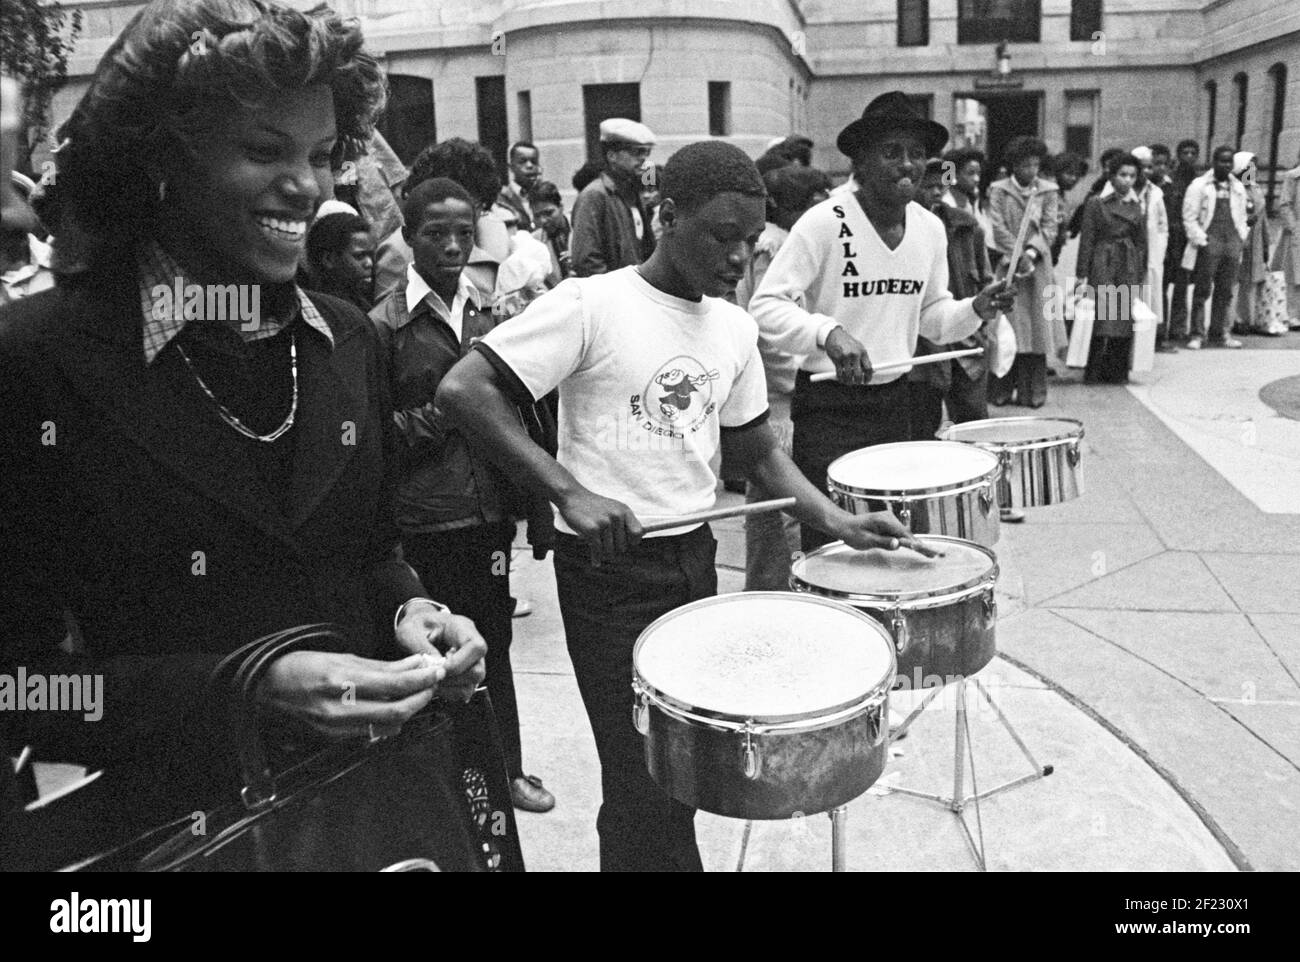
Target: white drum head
837,570
1015,431
911,466
764,655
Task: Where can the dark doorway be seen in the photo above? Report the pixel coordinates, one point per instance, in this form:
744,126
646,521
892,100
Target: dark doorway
492,132
1009,115
408,123
603,101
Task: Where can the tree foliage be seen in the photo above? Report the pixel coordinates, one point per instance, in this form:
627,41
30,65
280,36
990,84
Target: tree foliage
38,39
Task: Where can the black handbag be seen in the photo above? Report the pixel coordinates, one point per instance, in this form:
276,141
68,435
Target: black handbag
432,798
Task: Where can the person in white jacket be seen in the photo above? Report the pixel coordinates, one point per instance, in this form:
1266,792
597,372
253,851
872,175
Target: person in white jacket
1214,216
1152,200
871,270
1286,256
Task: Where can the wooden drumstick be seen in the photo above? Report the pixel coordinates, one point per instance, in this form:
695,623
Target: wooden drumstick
1022,237
910,362
758,507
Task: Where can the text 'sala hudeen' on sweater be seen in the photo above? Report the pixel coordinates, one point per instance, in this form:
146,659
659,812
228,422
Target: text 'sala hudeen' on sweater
847,276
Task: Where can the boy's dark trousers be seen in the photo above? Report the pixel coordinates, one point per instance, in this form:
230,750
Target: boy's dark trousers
468,570
1177,298
832,419
605,609
966,400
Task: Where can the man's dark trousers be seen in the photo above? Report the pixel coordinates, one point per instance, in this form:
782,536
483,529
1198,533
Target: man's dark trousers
1216,267
605,609
832,419
1177,283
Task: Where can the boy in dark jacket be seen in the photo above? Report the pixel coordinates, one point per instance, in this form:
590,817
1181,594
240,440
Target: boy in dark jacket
451,503
963,383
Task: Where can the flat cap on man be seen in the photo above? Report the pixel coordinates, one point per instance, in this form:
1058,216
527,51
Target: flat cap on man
619,130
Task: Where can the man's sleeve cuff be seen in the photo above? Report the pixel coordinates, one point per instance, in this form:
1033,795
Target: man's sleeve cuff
515,389
761,419
824,331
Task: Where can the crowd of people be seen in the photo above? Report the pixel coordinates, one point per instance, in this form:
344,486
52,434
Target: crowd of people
462,332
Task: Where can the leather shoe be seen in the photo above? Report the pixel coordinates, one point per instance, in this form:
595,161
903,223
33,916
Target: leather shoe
527,793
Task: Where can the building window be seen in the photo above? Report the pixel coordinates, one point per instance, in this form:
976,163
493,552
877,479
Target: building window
1080,122
602,101
1085,19
1240,82
1211,109
991,21
719,108
524,100
408,123
913,23
492,126
1277,73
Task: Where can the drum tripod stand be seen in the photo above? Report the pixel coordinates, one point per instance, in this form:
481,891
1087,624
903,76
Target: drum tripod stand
839,818
957,802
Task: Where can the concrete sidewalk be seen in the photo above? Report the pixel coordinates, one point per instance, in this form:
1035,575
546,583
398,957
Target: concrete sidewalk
1149,636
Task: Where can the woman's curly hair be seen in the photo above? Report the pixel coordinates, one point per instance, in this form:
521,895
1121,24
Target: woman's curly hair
164,85
1022,148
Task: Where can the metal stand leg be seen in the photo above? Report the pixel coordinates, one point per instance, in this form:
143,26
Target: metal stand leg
744,845
957,802
839,816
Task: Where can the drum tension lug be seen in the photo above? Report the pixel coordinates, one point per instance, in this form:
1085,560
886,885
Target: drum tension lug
990,609
641,711
898,627
749,751
905,514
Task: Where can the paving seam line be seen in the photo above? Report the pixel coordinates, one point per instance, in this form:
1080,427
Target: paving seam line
1060,613
1234,852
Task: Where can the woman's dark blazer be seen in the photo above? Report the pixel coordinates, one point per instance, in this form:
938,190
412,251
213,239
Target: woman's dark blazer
126,502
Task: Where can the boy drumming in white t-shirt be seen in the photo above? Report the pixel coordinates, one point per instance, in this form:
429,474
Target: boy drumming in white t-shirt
658,377
871,269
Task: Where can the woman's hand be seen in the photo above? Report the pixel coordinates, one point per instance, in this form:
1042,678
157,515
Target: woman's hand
432,631
346,696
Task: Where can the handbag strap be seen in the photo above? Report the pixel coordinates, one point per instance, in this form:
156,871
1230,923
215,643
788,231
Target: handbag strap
255,772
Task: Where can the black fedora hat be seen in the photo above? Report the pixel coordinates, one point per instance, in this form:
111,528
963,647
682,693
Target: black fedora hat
888,113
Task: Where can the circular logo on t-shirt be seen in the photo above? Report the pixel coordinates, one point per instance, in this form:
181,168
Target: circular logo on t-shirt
679,396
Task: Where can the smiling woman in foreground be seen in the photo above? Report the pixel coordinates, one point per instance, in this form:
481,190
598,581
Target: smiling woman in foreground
188,474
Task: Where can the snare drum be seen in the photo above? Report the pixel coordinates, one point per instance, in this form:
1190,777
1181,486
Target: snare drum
934,487
1041,457
764,703
940,611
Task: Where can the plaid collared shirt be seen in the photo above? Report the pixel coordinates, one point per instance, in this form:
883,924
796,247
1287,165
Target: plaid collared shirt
164,316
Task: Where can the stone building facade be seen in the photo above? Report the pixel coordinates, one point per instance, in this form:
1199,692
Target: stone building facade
1082,74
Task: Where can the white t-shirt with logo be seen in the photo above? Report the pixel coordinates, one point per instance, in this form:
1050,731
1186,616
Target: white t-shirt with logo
646,380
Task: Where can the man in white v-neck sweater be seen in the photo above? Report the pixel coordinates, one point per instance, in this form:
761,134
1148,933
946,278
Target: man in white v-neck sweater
849,278
860,276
